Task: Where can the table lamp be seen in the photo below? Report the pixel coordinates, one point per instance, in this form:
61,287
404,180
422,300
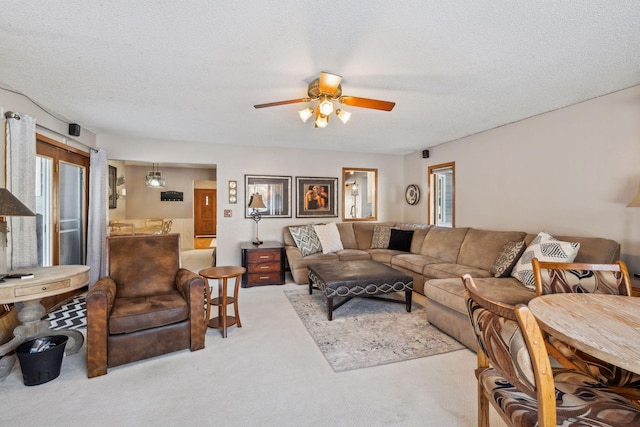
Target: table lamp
9,206
255,203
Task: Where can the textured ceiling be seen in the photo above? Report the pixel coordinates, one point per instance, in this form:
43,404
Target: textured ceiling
192,70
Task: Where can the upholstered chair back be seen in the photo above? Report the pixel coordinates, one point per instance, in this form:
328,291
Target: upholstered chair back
500,339
136,278
560,277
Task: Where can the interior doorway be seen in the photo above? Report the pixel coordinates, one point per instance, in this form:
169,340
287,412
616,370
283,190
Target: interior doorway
204,212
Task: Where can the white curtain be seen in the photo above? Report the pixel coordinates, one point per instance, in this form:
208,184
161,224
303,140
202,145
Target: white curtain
97,227
22,245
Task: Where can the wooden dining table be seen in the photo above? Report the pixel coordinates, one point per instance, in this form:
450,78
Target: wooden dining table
605,326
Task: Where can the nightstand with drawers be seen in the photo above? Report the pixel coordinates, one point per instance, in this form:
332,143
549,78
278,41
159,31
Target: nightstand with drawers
264,264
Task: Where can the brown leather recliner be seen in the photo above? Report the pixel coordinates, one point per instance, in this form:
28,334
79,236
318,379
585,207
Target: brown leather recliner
146,305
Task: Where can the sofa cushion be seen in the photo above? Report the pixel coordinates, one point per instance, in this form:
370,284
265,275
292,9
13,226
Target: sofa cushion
347,236
418,238
310,259
329,237
507,258
353,255
400,240
413,262
146,312
594,250
546,248
383,255
444,270
381,237
364,234
443,243
306,239
480,248
450,292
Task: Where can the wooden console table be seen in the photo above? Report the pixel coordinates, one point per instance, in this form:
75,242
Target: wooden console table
27,294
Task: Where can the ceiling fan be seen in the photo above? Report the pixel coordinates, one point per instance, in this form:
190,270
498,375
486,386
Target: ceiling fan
326,89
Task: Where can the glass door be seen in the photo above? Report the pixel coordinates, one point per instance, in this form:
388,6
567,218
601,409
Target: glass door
61,203
72,219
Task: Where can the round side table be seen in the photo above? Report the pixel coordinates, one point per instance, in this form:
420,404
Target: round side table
222,274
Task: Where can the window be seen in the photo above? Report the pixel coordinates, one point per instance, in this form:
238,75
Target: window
442,195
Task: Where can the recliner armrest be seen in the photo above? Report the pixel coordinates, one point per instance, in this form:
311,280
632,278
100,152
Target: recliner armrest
104,289
191,286
187,279
99,300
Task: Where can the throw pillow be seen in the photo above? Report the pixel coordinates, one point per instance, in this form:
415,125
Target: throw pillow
329,237
306,239
381,236
507,258
546,248
400,240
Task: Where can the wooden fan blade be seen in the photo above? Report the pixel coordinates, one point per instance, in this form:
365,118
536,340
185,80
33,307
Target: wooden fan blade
367,103
274,104
329,82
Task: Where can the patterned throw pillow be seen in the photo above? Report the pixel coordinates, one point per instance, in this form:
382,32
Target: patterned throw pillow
306,239
329,237
546,248
381,236
505,261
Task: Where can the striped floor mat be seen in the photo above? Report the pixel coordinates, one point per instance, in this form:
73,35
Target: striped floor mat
72,315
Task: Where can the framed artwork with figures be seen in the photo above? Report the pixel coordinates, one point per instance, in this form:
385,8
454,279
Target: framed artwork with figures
316,197
275,192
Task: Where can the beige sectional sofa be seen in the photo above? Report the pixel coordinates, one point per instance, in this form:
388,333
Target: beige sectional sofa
438,258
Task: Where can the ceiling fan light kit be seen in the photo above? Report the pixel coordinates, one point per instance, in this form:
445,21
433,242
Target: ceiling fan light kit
343,115
326,89
305,114
322,120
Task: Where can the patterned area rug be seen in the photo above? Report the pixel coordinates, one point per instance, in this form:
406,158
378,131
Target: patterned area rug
72,315
365,332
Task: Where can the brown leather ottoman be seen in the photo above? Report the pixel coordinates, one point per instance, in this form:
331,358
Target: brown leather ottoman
350,279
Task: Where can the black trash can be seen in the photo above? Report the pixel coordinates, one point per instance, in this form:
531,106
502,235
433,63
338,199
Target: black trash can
41,358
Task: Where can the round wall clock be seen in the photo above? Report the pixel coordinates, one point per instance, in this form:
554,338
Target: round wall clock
412,194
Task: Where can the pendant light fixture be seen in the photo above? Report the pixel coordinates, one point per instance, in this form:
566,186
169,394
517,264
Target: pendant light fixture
154,178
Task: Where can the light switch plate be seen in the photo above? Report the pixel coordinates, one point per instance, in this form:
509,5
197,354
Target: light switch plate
227,213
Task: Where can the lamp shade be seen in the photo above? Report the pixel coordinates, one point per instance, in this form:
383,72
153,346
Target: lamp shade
255,202
635,203
11,206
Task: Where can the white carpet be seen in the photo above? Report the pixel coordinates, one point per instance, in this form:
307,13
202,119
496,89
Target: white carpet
267,373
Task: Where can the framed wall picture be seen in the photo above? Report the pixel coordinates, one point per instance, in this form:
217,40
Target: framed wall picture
316,197
113,195
275,192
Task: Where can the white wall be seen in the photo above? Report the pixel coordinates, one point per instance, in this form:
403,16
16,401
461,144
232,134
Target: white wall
571,171
234,161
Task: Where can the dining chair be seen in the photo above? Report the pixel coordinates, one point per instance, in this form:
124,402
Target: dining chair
609,279
515,375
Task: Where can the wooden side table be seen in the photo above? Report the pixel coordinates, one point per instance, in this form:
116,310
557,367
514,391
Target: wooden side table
222,274
264,264
46,281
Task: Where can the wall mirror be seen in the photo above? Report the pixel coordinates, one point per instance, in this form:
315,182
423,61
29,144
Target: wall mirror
359,194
